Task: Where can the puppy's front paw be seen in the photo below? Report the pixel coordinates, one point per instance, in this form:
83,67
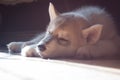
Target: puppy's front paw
29,51
14,47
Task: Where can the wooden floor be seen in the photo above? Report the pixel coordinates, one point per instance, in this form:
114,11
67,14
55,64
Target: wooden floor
13,67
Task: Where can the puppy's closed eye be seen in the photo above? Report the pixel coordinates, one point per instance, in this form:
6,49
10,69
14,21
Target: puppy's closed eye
63,41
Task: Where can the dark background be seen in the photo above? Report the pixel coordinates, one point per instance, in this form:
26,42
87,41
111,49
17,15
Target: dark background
23,21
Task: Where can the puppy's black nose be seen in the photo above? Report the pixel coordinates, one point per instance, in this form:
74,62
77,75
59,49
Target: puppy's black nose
42,47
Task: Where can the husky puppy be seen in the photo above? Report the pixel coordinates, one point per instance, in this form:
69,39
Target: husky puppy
86,33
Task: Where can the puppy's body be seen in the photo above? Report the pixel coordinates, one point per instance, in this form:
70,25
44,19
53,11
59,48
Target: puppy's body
86,33
108,43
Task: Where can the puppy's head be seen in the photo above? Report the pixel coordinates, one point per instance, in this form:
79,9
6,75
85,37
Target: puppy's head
65,35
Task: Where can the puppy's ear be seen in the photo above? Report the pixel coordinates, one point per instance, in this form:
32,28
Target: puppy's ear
93,33
52,12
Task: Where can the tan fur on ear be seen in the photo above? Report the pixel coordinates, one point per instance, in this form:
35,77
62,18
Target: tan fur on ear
93,33
52,12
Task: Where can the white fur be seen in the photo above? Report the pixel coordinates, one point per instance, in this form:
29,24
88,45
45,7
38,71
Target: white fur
28,51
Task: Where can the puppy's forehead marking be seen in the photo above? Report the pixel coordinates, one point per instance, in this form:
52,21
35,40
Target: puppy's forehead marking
57,23
61,22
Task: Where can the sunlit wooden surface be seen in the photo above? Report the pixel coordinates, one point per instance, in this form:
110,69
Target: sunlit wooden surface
22,68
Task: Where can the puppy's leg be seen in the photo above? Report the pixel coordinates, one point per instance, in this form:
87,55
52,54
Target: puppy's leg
16,47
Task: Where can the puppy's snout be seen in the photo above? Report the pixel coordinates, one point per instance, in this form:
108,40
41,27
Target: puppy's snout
42,47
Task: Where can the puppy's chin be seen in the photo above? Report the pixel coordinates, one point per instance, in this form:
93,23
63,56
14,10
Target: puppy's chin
29,51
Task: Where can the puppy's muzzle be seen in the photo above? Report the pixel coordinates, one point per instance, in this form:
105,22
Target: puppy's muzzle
42,44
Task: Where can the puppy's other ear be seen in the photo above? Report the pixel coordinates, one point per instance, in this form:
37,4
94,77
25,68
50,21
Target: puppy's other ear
93,33
52,12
